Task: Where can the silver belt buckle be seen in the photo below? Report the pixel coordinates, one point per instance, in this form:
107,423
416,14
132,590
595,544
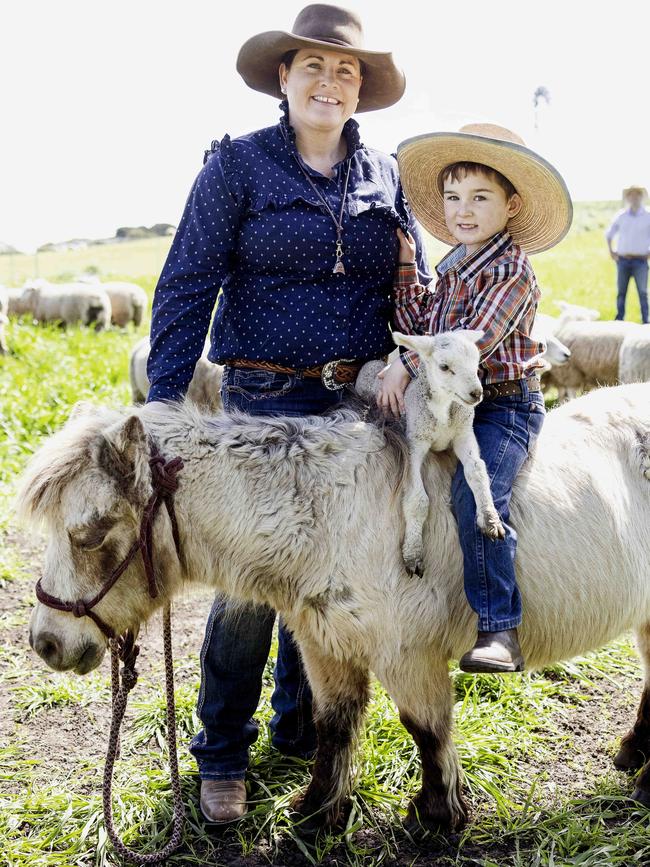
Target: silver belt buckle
329,372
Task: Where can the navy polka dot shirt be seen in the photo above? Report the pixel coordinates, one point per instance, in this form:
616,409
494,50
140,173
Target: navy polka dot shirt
254,227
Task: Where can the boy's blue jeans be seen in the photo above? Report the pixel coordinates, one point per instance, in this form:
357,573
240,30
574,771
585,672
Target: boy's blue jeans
505,429
236,645
626,269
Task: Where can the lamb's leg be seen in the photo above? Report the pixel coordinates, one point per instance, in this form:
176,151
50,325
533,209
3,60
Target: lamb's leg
415,506
635,745
467,451
341,693
422,692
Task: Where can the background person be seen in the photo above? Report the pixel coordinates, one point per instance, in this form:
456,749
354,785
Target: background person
297,225
631,227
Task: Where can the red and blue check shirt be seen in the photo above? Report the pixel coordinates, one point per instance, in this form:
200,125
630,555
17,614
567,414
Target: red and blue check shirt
493,290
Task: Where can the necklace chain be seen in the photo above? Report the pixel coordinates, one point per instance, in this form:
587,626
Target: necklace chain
338,223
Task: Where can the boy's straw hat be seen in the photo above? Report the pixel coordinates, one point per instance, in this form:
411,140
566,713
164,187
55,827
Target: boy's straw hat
329,28
635,189
546,213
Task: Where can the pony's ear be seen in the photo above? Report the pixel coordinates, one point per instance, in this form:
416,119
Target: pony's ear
423,344
123,454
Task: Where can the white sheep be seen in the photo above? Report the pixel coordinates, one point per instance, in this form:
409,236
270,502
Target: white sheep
128,302
634,356
17,302
595,349
68,303
204,389
439,415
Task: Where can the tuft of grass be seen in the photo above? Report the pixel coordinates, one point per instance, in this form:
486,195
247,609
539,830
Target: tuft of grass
32,697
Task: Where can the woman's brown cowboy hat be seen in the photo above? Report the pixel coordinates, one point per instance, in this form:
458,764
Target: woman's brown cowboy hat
326,27
546,212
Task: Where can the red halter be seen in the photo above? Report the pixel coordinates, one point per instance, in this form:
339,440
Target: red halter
164,483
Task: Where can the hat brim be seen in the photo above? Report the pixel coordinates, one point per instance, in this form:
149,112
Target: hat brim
546,213
260,56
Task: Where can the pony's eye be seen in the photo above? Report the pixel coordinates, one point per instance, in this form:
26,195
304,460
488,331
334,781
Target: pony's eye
444,367
90,536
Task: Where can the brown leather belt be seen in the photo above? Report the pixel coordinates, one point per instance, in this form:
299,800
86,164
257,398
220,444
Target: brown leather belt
334,374
510,387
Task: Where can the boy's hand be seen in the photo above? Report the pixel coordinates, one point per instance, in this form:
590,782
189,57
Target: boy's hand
406,248
393,381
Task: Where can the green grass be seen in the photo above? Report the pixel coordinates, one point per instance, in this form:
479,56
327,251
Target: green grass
504,727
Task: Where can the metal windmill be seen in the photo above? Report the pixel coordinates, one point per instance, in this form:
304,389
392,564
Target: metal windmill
540,97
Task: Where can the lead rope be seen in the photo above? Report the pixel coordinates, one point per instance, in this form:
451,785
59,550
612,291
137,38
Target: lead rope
126,650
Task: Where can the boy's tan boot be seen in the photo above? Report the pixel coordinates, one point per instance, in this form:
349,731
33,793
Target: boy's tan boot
494,652
223,800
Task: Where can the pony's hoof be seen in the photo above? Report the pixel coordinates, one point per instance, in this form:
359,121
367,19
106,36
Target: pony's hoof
641,797
629,758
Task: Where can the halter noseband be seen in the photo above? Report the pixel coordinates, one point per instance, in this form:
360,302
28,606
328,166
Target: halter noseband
164,483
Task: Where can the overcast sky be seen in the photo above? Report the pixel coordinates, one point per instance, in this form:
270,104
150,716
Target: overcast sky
107,105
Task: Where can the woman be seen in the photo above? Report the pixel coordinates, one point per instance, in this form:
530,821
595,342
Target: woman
296,224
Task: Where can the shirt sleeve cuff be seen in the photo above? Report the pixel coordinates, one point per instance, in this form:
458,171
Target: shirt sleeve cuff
405,276
410,360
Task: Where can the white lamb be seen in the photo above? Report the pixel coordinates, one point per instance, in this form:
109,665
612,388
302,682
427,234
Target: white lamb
440,415
69,303
204,389
128,302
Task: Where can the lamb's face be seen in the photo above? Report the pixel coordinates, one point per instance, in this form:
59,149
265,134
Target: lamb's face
452,366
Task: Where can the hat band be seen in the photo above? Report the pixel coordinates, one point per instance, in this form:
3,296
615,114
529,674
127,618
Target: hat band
330,39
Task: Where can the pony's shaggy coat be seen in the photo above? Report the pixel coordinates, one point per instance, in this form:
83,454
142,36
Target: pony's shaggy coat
303,514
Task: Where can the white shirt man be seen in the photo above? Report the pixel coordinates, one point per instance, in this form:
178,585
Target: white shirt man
631,227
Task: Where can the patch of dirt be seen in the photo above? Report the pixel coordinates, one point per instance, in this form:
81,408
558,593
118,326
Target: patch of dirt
65,739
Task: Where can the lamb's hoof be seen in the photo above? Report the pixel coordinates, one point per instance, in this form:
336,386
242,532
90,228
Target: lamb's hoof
629,758
491,526
415,566
641,797
413,555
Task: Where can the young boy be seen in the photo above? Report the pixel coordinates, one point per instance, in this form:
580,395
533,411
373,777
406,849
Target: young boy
484,191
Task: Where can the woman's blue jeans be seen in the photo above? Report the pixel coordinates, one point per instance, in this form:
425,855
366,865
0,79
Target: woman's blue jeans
505,429
636,267
237,641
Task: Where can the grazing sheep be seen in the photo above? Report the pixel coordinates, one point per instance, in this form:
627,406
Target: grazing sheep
4,307
128,302
595,349
204,389
439,415
576,313
68,303
634,357
17,302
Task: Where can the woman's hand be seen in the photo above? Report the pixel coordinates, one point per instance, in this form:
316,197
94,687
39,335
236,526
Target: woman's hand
406,248
393,381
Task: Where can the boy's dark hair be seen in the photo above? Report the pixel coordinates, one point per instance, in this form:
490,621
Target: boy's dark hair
457,171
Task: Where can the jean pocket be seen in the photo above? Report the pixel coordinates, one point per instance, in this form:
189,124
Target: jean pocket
259,384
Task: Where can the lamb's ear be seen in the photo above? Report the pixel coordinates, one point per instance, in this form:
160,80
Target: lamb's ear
471,334
562,305
123,453
423,344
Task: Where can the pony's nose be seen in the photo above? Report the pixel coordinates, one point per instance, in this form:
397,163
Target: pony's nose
476,394
48,647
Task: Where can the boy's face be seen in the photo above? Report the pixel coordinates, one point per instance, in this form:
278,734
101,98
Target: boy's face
476,208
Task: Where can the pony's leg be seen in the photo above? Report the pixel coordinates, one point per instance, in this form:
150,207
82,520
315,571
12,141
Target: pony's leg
341,694
635,745
415,505
423,696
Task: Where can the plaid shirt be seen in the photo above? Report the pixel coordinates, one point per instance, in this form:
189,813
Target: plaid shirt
492,290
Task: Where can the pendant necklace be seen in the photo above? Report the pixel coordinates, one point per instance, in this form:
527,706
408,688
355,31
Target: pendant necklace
338,264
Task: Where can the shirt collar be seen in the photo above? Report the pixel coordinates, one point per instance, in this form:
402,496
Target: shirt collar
350,131
638,213
468,267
